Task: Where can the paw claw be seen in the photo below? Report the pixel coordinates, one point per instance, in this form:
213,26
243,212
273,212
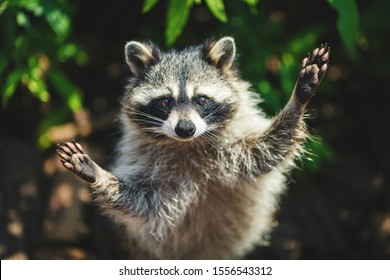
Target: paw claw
63,155
68,166
78,146
321,52
71,147
66,150
315,52
305,61
325,57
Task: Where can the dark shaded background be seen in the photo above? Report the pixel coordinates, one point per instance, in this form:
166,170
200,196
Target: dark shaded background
339,209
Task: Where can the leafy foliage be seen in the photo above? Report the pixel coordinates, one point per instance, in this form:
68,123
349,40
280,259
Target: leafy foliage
179,10
217,8
148,5
348,22
177,17
39,32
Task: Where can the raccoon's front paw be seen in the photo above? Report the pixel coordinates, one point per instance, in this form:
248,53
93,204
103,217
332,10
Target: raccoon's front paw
312,70
74,158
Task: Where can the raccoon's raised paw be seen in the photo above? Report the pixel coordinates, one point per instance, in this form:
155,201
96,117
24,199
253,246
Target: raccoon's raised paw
312,71
74,158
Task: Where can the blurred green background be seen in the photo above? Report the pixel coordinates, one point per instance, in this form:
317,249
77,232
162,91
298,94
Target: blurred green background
62,73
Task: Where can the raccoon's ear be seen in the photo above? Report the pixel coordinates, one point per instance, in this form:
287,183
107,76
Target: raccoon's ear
220,53
139,56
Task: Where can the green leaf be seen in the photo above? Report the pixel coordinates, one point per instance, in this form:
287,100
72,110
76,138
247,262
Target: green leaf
58,116
252,5
66,89
67,51
32,5
59,22
177,17
10,86
38,88
148,5
3,7
217,8
348,22
22,19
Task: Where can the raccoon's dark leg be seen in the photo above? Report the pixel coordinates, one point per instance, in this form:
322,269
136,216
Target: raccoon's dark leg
287,132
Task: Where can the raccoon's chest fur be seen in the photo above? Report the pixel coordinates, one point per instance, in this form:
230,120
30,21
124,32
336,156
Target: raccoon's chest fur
208,206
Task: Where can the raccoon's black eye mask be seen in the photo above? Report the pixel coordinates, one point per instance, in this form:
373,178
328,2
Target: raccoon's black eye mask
166,103
154,112
213,111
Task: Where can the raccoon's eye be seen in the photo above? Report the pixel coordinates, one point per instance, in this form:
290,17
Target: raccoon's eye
164,102
201,100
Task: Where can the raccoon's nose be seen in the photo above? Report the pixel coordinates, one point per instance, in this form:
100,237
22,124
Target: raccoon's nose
185,128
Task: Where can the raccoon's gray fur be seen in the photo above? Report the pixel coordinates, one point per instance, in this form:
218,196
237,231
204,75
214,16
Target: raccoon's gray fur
199,168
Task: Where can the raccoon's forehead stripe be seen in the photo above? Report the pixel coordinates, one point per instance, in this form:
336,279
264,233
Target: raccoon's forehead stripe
183,91
182,98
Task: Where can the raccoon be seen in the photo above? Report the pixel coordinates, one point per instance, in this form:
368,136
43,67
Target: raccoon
199,168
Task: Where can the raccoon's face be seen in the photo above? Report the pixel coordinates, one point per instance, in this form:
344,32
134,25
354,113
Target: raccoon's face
182,95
